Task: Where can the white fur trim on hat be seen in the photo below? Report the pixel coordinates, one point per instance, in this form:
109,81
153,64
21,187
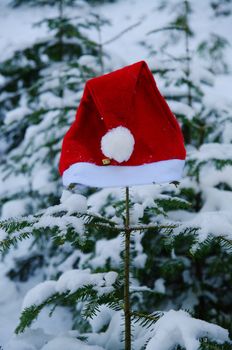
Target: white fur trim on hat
118,175
118,144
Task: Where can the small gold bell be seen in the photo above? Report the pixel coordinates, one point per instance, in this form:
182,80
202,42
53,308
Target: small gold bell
106,161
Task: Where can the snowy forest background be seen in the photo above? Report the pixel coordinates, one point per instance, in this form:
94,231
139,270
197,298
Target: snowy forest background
181,268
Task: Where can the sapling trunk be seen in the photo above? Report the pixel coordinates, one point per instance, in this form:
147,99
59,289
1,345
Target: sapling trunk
127,311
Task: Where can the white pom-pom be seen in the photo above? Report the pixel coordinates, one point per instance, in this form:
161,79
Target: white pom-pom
118,144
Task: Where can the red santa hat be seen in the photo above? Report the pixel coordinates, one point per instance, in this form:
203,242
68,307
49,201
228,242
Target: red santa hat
124,133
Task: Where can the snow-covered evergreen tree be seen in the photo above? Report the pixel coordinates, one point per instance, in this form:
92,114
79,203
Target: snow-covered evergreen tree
42,86
189,64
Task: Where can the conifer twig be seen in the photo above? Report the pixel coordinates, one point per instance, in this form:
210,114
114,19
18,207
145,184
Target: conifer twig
122,33
134,228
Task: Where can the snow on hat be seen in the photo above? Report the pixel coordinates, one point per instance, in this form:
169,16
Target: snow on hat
124,133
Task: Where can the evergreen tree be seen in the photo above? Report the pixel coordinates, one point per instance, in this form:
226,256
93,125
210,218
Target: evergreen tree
41,89
188,78
42,86
96,283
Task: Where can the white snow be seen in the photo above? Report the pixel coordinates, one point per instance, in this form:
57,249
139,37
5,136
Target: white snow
39,294
159,286
75,203
26,34
110,278
3,234
41,181
16,114
210,176
212,151
136,213
98,199
216,200
217,223
60,222
69,202
107,249
140,260
8,286
227,132
68,343
15,207
12,184
89,61
70,281
118,144
32,339
65,195
10,306
140,257
102,318
182,109
112,337
179,328
20,345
